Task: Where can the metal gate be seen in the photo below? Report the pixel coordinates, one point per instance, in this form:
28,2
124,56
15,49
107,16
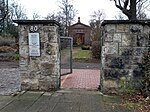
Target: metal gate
66,46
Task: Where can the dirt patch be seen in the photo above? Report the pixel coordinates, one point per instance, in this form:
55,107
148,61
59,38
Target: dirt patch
8,49
9,53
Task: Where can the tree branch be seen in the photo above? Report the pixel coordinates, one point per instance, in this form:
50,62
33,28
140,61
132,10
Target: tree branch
118,6
126,4
123,9
3,17
142,1
119,3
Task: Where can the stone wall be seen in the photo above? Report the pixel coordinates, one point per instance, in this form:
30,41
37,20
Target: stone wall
123,45
39,72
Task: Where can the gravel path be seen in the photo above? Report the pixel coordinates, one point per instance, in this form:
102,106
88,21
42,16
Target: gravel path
79,65
9,64
9,78
9,81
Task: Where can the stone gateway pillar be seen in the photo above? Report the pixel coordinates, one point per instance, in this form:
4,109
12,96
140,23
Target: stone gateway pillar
39,54
124,44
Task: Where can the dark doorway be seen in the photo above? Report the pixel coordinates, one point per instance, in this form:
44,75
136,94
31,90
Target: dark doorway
79,39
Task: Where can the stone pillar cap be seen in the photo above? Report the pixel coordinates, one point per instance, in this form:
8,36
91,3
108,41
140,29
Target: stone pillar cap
36,22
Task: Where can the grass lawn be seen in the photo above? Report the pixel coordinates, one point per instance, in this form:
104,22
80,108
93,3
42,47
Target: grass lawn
78,53
65,52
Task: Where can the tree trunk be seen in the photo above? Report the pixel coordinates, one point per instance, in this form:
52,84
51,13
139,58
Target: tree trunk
132,10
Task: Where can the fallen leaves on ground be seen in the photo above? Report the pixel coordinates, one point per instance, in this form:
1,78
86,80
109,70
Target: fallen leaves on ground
141,104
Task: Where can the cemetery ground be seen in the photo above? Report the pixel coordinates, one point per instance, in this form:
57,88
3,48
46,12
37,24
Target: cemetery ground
78,53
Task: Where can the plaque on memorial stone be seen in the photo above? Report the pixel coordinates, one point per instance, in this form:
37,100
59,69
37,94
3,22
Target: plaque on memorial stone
34,44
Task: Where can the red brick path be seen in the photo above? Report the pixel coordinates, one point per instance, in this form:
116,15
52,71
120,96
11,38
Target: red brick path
81,79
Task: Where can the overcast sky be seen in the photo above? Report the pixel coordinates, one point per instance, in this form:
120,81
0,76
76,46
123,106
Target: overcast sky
84,7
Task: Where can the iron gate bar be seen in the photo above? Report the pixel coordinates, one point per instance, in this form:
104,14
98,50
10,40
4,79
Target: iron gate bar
70,59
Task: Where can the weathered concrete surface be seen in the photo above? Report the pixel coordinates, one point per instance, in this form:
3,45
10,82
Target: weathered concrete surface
61,101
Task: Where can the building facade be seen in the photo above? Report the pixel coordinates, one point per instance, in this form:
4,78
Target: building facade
80,33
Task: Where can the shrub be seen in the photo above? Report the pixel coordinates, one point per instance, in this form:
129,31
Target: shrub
17,56
85,47
126,86
6,40
64,43
96,49
146,76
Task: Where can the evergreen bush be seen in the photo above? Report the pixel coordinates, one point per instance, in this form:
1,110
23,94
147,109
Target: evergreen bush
96,49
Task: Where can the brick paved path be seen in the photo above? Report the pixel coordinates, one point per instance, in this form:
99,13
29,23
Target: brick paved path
81,79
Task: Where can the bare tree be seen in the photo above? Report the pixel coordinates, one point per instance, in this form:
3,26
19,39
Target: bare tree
96,19
98,15
142,8
66,14
3,15
120,16
55,16
133,9
36,16
52,16
3,9
17,11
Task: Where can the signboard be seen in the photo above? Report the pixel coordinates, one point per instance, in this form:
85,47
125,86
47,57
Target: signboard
34,44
